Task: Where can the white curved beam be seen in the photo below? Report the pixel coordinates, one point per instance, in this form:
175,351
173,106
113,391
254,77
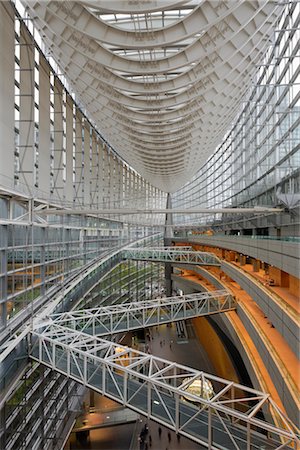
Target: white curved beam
208,140
76,16
138,7
151,113
206,46
228,71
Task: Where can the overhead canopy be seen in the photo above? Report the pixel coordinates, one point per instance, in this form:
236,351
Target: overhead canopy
161,79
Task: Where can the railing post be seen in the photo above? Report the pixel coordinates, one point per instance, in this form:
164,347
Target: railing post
125,383
68,363
85,370
103,379
209,433
177,416
53,355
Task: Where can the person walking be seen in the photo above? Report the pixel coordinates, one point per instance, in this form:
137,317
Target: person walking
159,432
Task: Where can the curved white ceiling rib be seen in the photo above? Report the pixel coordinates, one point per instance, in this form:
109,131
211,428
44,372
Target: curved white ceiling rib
163,97
191,53
227,67
229,70
203,17
189,119
102,91
136,7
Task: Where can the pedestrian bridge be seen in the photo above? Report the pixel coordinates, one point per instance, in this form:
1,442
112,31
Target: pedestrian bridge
180,255
227,416
220,414
111,319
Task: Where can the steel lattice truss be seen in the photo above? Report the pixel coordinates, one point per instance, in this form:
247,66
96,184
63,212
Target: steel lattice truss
180,255
234,416
162,80
127,316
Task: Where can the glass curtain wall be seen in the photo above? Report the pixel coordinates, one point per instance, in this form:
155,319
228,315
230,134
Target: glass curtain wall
258,161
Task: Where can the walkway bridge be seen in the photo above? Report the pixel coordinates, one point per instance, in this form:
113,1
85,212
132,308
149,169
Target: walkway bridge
111,319
179,255
220,414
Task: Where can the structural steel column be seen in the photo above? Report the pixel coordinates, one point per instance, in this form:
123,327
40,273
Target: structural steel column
7,58
168,235
44,127
27,149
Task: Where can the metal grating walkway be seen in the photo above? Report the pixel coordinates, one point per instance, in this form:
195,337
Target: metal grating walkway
179,255
231,416
219,415
111,319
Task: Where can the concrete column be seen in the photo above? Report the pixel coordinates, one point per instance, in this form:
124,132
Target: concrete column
78,195
105,177
120,183
58,140
26,144
69,149
242,260
44,128
116,184
113,174
87,163
7,58
255,265
101,147
95,172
